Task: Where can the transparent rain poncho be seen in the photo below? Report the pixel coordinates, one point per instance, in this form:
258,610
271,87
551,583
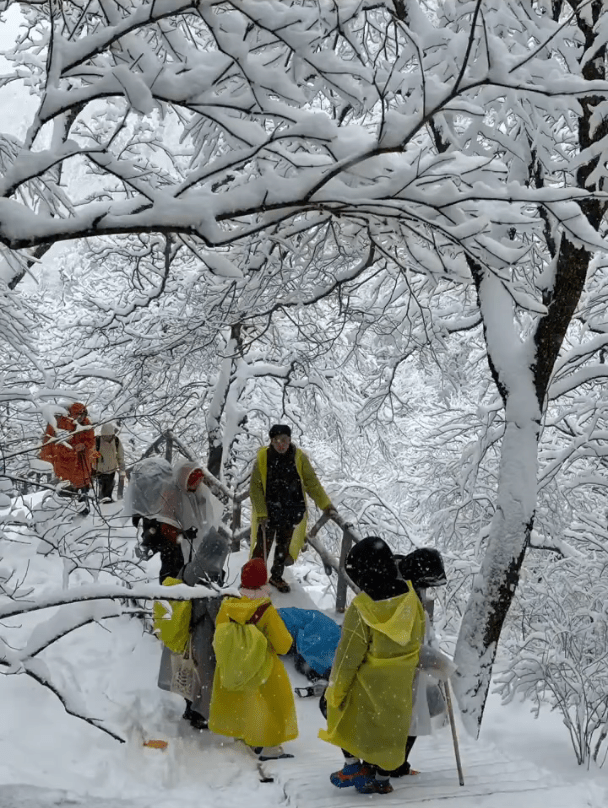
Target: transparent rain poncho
159,491
153,493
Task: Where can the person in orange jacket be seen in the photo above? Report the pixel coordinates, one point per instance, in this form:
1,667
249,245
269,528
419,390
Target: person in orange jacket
70,448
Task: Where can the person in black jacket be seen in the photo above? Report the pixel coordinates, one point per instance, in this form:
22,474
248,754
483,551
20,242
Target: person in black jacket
282,476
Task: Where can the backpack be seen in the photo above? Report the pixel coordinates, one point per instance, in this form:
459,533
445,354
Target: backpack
241,650
98,442
172,625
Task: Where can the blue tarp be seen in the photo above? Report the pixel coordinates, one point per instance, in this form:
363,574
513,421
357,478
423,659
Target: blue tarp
316,636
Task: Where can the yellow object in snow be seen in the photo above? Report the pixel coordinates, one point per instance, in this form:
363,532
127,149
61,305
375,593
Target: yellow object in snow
156,744
172,625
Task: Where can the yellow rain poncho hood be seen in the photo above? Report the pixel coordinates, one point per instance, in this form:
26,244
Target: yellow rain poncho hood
369,699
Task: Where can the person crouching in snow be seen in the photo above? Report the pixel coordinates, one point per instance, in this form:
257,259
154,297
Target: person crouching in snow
252,698
369,698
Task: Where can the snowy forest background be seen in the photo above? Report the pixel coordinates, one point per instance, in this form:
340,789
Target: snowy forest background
382,222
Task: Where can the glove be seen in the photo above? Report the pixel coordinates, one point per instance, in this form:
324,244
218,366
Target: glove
331,512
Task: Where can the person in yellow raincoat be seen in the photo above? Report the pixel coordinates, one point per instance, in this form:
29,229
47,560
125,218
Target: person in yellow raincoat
263,716
282,476
369,698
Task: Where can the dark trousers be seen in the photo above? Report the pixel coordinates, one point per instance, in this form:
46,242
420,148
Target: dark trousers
171,561
281,536
106,484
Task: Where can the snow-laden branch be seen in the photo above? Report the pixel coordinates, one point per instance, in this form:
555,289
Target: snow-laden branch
92,592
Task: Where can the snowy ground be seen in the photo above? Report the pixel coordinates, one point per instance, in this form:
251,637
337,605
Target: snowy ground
48,758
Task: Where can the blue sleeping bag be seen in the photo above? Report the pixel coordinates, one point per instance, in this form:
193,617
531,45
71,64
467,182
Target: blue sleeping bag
315,635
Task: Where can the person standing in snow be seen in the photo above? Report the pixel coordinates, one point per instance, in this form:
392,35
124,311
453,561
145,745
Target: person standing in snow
424,569
69,446
206,568
111,460
369,698
260,712
282,476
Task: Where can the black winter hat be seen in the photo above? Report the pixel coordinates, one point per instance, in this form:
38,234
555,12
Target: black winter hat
279,429
372,567
423,567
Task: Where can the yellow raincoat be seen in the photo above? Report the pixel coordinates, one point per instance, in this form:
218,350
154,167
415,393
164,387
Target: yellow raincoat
369,698
264,716
257,492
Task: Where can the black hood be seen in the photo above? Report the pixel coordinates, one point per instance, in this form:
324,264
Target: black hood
423,567
372,567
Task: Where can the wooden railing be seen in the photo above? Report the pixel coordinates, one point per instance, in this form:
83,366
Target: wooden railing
236,534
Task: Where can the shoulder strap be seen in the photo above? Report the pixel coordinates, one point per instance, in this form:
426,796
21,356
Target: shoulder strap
257,615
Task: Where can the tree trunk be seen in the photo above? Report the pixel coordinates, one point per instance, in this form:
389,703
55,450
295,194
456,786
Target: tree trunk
496,582
523,392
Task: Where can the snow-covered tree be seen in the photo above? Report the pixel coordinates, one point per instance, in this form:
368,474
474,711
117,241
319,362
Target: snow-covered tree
461,143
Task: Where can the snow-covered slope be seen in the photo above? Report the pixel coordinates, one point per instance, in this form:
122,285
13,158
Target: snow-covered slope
48,758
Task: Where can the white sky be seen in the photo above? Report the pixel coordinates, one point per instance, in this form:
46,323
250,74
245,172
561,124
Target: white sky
16,104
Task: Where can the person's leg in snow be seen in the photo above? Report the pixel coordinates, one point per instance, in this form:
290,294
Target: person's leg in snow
378,784
282,538
353,773
405,768
82,502
197,721
270,752
106,486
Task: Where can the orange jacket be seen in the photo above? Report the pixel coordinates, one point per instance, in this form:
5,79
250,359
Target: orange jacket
73,457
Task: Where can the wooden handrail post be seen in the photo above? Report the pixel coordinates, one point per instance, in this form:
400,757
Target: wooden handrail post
347,543
235,544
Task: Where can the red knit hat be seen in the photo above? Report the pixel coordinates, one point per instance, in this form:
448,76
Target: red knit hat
254,574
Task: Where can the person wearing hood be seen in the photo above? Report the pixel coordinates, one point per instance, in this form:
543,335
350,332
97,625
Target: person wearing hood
175,508
282,476
424,569
111,459
70,447
207,569
258,710
369,698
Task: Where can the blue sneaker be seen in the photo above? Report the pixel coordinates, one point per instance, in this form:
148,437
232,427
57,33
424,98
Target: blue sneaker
351,774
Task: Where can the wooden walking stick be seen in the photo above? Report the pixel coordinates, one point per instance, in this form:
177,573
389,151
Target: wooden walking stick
448,701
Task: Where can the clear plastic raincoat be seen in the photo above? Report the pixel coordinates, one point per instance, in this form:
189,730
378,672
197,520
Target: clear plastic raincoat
159,491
